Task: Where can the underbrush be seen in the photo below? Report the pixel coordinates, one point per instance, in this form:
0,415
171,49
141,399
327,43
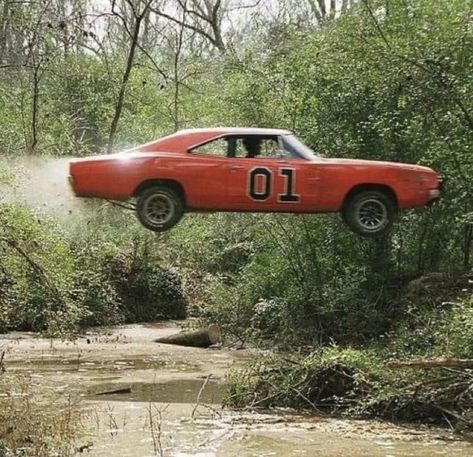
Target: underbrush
283,279
432,333
56,278
355,383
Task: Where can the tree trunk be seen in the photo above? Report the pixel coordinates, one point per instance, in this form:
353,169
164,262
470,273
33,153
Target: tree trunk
202,338
33,143
123,86
4,26
137,21
467,246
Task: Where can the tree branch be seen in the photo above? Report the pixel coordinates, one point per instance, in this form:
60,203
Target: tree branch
186,25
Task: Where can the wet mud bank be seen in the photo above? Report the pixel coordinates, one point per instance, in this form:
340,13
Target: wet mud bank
142,398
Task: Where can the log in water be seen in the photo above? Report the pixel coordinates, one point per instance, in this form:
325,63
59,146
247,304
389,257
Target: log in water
202,338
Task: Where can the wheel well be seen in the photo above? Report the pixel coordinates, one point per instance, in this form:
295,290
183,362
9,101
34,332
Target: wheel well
169,183
362,187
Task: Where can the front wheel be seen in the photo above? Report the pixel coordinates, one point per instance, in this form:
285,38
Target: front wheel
159,208
370,212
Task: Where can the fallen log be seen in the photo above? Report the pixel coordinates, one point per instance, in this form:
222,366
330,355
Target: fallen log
433,363
202,338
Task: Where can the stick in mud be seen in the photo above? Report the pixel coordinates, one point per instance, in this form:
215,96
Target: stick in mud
433,363
202,388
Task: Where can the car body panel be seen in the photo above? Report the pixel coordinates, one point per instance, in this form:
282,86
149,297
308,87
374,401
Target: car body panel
221,183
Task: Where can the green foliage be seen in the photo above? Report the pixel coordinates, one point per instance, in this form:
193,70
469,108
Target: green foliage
5,177
55,281
78,111
459,329
3,449
39,271
151,293
433,319
284,285
94,288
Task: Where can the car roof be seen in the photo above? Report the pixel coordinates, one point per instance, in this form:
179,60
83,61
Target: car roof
235,131
184,140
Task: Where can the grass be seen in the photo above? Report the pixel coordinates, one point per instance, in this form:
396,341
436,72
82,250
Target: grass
34,425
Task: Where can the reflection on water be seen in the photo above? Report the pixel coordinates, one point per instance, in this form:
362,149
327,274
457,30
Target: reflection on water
54,365
176,391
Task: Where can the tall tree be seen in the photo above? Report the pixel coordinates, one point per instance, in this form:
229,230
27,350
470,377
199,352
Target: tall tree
326,10
132,26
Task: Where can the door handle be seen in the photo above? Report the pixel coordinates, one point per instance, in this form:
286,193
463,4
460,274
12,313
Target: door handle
236,167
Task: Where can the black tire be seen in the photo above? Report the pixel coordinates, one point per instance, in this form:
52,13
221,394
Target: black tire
369,212
159,208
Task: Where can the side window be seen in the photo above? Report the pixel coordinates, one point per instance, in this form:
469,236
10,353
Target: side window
217,148
258,146
270,148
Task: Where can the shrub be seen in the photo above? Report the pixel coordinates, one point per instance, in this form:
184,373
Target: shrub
151,293
458,329
36,259
55,279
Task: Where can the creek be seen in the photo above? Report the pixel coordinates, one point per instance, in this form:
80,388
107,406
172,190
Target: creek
141,398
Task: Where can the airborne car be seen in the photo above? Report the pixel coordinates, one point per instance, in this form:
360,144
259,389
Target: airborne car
250,169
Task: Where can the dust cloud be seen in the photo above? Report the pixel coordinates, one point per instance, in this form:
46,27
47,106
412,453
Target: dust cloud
40,183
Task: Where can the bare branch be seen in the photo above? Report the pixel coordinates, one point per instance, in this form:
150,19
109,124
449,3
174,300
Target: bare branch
186,25
205,22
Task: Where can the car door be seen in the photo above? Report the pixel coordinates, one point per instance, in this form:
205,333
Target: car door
205,174
271,182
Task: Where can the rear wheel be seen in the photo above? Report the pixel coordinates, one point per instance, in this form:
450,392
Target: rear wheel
159,208
369,212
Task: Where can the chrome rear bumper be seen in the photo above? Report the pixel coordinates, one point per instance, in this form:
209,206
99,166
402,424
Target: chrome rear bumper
434,194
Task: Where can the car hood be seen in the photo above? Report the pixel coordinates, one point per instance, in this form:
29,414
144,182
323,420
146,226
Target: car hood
374,163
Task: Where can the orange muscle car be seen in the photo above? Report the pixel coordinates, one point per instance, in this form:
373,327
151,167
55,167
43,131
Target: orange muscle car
250,169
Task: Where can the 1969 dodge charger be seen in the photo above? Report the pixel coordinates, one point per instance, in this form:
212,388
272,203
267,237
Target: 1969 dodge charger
250,169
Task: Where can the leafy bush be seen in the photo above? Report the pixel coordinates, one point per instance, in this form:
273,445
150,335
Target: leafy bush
433,318
40,272
304,282
458,329
151,293
56,280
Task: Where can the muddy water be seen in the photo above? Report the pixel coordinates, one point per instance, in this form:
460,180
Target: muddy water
140,399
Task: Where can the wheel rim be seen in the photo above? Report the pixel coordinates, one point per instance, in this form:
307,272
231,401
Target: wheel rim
158,209
372,214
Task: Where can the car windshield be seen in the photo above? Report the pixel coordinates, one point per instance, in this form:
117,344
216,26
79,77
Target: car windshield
294,147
